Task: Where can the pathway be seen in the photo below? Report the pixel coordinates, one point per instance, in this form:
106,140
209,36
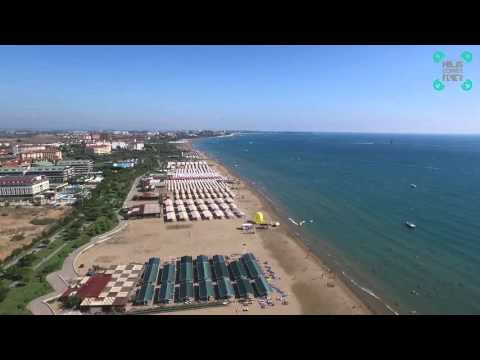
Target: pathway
58,280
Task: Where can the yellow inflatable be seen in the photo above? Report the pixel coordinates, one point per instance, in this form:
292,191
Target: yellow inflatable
259,218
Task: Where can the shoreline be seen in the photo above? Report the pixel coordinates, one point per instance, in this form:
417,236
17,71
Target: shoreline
299,238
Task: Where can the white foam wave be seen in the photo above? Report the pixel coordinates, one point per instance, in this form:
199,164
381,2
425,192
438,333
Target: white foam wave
293,221
369,292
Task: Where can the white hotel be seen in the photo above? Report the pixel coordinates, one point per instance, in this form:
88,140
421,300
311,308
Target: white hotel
23,186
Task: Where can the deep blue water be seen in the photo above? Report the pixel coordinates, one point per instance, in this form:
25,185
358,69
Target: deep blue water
356,188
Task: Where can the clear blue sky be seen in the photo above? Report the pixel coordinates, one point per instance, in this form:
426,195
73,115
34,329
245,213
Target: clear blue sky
297,88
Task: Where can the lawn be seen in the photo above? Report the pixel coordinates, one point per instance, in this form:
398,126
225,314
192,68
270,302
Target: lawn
17,299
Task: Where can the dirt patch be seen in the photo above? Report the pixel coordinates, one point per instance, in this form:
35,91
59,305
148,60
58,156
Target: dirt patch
17,220
105,259
178,226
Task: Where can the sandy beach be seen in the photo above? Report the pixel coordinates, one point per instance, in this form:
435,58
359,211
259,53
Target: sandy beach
312,287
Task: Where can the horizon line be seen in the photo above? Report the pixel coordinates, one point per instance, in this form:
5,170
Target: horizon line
244,130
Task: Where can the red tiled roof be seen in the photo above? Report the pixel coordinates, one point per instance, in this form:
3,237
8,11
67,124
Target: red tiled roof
20,180
94,286
66,293
47,150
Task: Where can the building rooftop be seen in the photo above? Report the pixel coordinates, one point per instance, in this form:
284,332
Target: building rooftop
21,180
92,288
78,161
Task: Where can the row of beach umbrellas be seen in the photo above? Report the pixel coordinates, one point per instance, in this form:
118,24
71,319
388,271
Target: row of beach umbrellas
203,214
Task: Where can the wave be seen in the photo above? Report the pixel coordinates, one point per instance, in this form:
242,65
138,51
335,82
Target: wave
293,221
369,292
364,143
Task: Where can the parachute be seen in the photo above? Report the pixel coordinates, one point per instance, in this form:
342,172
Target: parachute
259,218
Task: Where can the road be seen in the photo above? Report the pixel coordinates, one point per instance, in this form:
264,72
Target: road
132,192
58,280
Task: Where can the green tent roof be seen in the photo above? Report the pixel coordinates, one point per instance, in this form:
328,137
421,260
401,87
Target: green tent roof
237,269
245,288
225,288
145,295
186,271
262,286
220,270
186,290
167,292
205,290
204,270
168,273
252,266
151,270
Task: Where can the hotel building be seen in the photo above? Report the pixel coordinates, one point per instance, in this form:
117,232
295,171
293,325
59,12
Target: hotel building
80,167
100,148
56,175
22,186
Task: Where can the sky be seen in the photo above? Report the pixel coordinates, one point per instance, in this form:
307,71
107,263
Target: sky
272,88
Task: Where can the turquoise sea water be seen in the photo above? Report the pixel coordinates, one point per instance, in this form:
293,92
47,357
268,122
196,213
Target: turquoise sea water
356,189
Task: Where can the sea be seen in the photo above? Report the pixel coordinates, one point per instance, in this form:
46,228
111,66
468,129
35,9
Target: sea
353,194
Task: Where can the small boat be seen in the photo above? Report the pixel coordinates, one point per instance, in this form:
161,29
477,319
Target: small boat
410,225
413,186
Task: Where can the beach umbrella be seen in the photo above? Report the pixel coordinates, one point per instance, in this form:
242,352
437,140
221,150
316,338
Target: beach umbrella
171,216
178,202
224,207
195,215
218,214
239,213
207,214
259,219
182,216
229,214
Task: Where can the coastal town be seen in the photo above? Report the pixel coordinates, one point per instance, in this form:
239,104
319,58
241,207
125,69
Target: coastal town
142,223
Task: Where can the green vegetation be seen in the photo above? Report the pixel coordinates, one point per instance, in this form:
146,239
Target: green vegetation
91,217
27,260
3,291
73,302
43,221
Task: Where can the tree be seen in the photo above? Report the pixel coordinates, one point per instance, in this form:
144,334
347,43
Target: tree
27,260
13,273
3,291
72,302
